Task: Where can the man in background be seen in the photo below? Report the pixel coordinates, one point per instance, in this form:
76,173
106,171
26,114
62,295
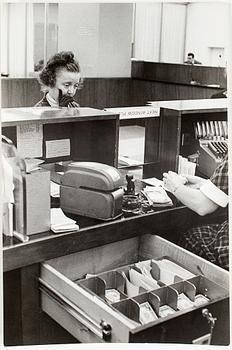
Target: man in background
191,59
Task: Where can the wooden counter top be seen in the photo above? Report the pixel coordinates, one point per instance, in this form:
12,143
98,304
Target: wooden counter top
46,246
48,115
194,106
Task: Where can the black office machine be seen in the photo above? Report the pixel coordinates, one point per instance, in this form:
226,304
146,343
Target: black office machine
213,142
92,189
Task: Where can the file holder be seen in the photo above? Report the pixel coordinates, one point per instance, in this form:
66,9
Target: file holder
167,296
129,308
95,285
189,289
108,280
113,279
153,300
125,275
206,287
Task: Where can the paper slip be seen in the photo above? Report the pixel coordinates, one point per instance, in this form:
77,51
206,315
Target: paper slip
183,302
166,310
30,140
153,181
145,268
58,148
157,195
131,289
146,314
142,281
61,223
54,189
112,295
127,161
32,164
169,269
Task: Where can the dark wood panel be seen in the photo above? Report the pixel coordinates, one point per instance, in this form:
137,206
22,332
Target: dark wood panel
30,303
178,73
107,92
12,308
20,92
96,141
170,131
96,92
144,90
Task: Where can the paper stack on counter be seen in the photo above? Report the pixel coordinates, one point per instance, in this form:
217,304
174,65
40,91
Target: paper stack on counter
157,196
54,184
61,223
54,189
153,181
32,164
125,160
186,167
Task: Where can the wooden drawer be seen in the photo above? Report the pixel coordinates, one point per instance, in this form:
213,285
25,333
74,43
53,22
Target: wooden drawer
79,306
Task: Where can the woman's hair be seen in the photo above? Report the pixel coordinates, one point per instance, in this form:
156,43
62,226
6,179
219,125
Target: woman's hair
61,60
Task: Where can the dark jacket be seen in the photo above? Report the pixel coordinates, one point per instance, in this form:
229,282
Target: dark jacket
43,102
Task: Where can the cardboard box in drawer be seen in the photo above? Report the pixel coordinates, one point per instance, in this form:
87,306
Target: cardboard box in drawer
143,289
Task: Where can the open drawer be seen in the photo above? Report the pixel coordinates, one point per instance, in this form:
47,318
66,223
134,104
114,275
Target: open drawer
80,304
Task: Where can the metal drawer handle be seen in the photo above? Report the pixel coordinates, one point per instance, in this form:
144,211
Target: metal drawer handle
211,320
106,330
206,338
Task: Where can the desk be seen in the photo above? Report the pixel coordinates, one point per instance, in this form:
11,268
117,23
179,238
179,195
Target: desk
89,132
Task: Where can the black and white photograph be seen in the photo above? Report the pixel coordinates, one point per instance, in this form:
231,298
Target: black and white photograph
114,182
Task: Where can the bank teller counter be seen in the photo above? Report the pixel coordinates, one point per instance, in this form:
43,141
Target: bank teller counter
109,246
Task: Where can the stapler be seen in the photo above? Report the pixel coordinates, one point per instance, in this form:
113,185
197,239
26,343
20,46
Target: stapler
91,189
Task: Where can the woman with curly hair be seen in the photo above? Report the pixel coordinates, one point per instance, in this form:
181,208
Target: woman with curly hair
60,79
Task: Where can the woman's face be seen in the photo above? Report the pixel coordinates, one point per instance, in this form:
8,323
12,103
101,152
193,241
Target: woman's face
67,82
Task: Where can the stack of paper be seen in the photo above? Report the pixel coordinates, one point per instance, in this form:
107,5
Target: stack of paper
157,196
153,181
127,161
169,270
54,189
186,167
61,223
32,164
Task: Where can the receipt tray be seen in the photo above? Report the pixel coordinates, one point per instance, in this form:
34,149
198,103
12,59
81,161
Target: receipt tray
78,305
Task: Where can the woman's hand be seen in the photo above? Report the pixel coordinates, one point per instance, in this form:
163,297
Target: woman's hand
194,181
67,101
172,181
